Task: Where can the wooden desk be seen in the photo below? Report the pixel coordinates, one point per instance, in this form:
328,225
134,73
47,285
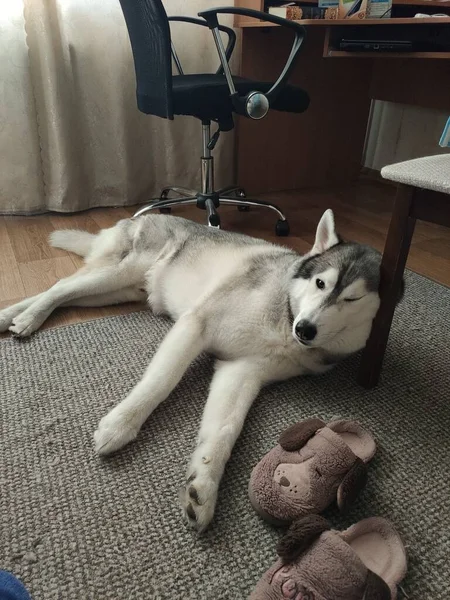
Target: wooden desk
324,145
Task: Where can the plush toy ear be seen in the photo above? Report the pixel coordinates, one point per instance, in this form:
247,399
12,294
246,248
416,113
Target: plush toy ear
300,536
326,235
296,436
376,588
353,482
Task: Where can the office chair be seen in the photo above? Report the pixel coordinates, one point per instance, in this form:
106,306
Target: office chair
208,97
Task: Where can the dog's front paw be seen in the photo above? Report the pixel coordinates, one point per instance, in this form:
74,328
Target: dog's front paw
114,431
198,500
25,324
6,319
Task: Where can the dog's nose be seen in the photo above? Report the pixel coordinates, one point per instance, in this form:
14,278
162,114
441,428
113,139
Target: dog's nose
305,330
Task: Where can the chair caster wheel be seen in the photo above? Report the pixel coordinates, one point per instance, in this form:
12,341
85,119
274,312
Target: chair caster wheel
243,208
165,211
214,221
282,228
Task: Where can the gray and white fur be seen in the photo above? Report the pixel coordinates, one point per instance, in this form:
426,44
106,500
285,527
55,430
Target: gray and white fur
265,312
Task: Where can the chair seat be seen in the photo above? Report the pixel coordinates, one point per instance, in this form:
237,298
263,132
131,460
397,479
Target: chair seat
207,96
429,173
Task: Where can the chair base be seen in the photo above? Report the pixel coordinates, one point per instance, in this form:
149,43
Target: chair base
211,202
208,199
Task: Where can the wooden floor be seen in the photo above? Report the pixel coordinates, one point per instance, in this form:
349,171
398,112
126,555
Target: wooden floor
28,265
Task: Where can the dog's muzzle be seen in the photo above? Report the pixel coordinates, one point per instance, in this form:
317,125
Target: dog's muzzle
305,331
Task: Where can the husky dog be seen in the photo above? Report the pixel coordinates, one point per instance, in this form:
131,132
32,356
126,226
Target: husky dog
265,312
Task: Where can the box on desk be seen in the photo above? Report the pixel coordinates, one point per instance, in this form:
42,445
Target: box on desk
333,9
299,11
379,9
352,9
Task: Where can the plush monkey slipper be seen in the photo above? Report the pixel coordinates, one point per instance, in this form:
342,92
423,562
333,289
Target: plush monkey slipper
365,562
313,465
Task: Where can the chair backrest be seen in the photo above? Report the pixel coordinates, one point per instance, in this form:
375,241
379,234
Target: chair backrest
148,28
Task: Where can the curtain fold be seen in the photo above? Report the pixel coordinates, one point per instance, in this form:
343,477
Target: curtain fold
398,132
71,137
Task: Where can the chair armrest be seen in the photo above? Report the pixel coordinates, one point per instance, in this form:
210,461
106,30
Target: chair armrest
210,17
255,102
230,45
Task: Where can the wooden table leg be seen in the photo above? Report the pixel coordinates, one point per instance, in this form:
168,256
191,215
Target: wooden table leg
393,263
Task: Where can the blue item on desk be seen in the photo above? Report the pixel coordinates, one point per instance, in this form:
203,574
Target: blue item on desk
445,138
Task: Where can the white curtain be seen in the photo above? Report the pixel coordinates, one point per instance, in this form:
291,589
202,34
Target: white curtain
398,132
71,137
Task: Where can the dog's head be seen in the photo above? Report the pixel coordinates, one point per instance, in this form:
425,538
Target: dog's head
334,295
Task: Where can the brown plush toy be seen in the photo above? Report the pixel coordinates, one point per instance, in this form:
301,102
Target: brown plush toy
313,465
365,562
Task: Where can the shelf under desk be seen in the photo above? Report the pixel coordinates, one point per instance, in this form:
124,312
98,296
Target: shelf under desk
429,42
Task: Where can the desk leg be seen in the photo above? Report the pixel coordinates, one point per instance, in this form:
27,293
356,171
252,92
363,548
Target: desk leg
393,264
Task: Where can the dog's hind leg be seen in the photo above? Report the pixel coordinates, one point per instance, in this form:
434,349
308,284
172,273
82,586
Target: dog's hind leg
234,387
181,346
8,314
128,294
86,282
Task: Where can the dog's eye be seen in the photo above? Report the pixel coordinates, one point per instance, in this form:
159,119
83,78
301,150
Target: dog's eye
351,299
320,284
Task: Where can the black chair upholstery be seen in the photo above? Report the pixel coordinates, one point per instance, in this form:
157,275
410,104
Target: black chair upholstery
205,96
149,32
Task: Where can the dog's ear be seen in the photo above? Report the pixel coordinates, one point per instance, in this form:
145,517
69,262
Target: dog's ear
300,536
326,235
295,437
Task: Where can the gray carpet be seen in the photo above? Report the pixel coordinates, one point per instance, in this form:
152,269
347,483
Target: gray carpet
76,527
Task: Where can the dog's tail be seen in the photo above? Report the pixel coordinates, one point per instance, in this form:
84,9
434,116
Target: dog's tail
74,240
